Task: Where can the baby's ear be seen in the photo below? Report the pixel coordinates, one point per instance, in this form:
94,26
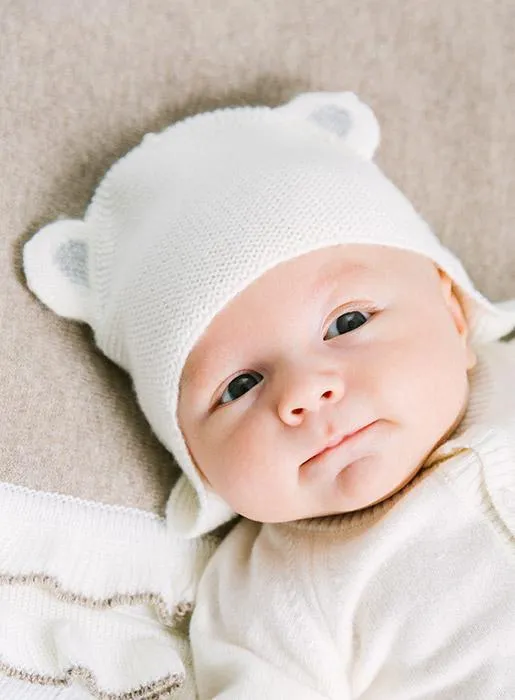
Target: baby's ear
342,114
454,303
56,266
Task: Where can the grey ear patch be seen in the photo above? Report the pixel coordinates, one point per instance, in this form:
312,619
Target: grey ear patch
56,265
339,113
71,257
332,118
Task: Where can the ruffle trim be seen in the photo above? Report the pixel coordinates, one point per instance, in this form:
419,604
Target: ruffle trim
160,690
97,555
95,596
173,618
14,688
126,654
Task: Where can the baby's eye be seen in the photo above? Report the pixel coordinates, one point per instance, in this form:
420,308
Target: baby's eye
346,322
240,385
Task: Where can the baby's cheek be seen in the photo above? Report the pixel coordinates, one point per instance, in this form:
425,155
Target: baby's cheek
232,451
435,384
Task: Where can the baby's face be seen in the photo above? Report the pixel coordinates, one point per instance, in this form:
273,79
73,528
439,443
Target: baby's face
325,384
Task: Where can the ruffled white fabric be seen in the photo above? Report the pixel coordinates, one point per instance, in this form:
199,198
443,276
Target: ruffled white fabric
14,689
96,554
94,596
118,653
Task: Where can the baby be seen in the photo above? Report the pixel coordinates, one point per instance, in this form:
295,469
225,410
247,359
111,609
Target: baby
320,364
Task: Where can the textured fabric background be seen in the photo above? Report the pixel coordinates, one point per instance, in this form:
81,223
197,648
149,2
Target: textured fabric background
82,80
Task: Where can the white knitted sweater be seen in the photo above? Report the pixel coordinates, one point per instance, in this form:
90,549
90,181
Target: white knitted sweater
411,599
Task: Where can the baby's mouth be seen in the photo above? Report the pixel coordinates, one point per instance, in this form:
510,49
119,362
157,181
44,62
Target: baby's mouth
336,442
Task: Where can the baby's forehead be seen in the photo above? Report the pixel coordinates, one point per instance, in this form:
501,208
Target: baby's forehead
353,258
343,265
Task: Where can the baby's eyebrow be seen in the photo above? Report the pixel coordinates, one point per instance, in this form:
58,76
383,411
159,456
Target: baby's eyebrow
346,273
197,373
185,378
190,372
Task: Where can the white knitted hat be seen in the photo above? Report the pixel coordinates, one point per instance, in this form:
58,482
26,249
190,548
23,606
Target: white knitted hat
192,215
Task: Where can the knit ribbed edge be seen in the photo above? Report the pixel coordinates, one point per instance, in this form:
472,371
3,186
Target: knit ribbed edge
12,688
96,555
157,690
176,618
484,479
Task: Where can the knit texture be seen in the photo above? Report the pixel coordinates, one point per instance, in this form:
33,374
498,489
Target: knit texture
96,594
194,214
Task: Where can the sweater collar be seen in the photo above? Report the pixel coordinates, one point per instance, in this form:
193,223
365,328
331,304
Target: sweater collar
491,404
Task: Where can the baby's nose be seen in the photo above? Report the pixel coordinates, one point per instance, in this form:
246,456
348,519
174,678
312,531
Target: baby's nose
308,393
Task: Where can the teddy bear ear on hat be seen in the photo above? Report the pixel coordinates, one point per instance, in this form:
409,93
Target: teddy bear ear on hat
55,261
342,114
